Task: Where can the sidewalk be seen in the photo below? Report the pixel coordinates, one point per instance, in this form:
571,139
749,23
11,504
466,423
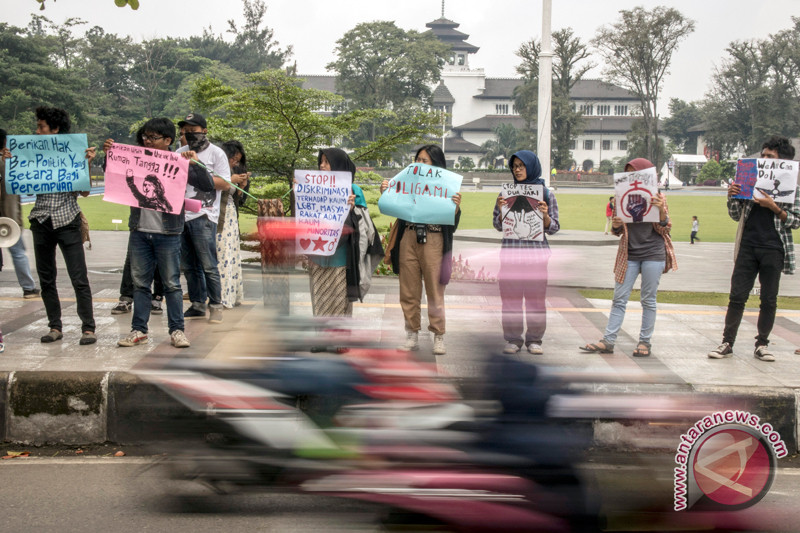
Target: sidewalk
69,393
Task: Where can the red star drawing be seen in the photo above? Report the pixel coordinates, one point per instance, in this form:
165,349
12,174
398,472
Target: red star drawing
319,244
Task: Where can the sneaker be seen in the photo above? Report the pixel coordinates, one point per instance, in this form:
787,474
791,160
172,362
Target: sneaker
122,307
155,307
438,345
412,342
179,340
722,351
30,293
762,353
194,312
535,349
511,348
88,337
215,315
134,338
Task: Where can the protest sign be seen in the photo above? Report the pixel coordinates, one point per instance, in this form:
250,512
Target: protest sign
42,164
769,177
521,217
633,191
422,194
320,201
145,178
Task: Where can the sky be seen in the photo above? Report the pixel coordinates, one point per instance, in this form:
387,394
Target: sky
498,27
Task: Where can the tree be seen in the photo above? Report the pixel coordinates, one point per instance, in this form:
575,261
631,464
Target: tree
755,93
466,163
710,171
134,4
569,66
638,145
278,123
682,117
506,142
254,48
379,66
638,51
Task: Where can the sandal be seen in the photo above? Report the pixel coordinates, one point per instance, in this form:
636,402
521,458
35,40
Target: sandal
600,346
642,350
52,336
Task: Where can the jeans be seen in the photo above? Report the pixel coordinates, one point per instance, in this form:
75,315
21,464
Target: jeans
21,266
126,285
767,264
151,253
199,262
68,238
651,275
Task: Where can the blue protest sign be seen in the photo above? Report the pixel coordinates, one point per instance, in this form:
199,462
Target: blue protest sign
422,194
42,164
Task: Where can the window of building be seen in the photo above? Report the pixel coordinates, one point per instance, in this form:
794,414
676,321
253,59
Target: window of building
621,110
501,109
604,110
514,109
588,144
572,144
623,145
461,59
606,145
587,109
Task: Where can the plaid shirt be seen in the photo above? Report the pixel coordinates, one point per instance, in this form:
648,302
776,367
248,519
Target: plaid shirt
60,207
739,210
552,211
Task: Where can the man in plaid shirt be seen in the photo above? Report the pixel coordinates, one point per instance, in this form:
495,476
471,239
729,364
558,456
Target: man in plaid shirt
764,248
56,222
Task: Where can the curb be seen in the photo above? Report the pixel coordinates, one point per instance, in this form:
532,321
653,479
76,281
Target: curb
80,408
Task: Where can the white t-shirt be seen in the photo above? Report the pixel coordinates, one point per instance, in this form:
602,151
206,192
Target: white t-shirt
216,160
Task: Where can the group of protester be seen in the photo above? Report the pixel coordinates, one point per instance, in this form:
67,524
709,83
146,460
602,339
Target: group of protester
161,245
204,245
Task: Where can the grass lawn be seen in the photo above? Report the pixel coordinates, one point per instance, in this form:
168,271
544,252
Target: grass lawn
576,212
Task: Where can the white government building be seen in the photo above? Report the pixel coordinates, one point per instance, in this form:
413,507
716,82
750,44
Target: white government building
476,105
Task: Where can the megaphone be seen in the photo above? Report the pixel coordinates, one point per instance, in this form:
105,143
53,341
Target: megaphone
9,232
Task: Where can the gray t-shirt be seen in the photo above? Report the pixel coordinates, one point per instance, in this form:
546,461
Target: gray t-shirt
645,244
151,221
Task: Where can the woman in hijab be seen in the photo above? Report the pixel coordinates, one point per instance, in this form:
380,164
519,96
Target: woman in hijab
423,253
523,261
644,248
340,279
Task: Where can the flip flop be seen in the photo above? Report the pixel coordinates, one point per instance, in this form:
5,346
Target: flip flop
600,346
642,350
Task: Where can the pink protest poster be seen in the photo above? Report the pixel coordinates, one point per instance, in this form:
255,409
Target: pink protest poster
141,177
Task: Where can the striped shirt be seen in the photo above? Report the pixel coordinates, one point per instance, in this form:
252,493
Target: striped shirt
739,210
60,207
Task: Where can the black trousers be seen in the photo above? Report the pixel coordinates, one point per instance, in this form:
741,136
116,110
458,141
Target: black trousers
68,238
767,264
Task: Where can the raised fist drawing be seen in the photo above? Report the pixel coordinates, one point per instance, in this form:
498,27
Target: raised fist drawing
637,205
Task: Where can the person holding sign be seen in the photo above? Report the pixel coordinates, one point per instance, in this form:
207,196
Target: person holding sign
523,261
340,279
154,243
764,248
644,248
228,241
56,222
422,254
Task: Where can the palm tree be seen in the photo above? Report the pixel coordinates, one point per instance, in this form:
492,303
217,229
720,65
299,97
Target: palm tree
502,146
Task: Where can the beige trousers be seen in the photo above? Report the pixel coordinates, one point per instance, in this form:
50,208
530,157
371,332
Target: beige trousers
421,263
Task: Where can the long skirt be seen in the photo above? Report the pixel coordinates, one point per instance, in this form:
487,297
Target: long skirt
229,259
329,291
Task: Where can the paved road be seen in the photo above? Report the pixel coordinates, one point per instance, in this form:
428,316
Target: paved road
124,496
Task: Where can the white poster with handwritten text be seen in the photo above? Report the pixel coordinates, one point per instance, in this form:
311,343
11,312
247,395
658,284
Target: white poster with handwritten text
522,219
320,200
633,191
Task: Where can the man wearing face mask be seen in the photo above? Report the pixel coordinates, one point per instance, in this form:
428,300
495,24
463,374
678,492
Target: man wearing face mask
198,244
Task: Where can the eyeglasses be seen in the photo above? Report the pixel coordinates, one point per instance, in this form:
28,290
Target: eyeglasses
517,166
152,138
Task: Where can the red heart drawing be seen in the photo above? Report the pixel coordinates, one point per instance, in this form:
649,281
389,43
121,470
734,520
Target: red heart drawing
305,243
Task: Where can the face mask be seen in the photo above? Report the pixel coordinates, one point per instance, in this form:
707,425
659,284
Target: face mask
197,141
